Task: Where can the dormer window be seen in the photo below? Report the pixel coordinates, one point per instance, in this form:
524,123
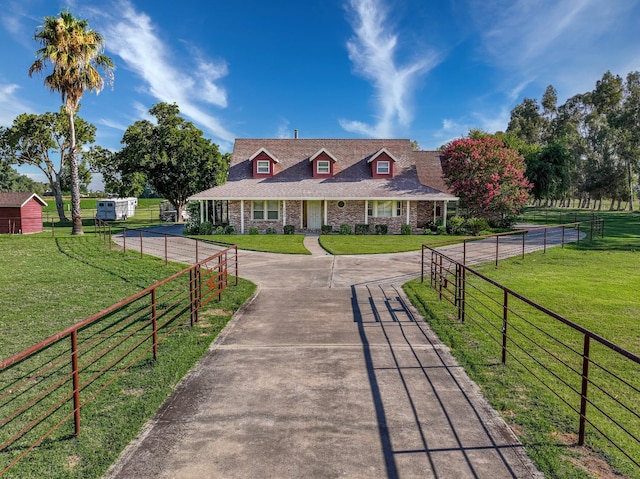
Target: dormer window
263,167
263,163
323,164
323,167
382,167
382,164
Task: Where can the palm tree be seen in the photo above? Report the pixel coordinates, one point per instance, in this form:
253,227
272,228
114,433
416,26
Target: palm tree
74,51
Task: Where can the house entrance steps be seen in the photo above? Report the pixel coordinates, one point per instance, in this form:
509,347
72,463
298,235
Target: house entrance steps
328,372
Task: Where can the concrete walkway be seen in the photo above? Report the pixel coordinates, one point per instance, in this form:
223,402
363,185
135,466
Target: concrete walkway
328,372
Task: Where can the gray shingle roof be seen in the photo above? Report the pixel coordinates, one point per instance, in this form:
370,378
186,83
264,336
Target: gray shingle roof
417,174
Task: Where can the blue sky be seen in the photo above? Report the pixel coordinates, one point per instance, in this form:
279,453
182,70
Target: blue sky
417,69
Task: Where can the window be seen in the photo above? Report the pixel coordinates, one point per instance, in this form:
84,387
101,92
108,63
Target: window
264,167
323,167
384,208
382,167
265,210
341,204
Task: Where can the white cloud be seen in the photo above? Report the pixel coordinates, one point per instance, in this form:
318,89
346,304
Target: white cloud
132,36
372,50
569,44
112,124
10,105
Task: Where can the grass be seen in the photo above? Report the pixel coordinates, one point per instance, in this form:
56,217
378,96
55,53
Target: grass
49,283
288,244
375,244
595,286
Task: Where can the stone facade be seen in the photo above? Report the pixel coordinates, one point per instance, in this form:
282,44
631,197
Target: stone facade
338,213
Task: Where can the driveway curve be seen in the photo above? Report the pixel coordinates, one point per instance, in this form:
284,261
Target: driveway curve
328,372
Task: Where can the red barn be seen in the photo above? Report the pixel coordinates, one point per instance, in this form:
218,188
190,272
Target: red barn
20,213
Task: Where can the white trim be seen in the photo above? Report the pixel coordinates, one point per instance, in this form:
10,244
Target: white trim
408,211
201,211
206,211
319,152
284,212
263,150
301,214
326,217
444,213
328,172
383,162
241,216
366,212
379,152
268,163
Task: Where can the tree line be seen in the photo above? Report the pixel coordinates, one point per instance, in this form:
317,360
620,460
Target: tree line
585,150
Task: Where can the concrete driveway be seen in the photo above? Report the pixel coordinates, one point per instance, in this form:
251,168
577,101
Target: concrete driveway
329,372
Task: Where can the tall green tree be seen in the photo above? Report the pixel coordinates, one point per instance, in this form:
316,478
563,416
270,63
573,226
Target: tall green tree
172,154
34,139
11,180
106,163
74,52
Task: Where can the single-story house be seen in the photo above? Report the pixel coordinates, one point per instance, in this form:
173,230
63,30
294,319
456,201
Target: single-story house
21,213
311,183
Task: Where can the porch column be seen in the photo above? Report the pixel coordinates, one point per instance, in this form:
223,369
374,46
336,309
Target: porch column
242,217
408,211
301,214
435,207
284,212
326,217
366,212
444,213
201,212
206,210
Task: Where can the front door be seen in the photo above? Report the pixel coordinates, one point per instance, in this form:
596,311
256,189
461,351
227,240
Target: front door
314,215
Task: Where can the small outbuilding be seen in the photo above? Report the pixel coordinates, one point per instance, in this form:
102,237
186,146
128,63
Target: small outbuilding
20,213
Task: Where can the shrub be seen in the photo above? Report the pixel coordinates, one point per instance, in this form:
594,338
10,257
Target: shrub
206,228
455,225
382,229
345,229
475,225
405,229
327,229
253,230
193,225
219,230
270,231
441,230
289,229
229,230
362,229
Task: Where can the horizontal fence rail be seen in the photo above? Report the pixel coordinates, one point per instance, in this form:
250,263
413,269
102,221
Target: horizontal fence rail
492,248
44,388
595,382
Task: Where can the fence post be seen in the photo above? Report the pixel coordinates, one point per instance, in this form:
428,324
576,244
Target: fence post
545,241
236,248
578,241
562,236
165,250
124,240
523,233
585,387
140,235
464,252
440,276
75,380
505,313
197,250
422,266
192,294
463,295
154,323
109,237
497,249
198,291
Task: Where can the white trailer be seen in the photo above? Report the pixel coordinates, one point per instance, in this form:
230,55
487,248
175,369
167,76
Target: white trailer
114,209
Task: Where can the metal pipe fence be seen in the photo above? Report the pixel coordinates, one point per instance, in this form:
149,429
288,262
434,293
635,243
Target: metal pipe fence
594,382
44,388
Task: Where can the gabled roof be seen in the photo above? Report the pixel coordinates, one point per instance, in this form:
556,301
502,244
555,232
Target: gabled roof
266,152
18,200
380,152
321,151
417,174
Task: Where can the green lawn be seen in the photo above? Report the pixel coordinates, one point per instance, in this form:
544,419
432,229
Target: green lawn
289,244
48,283
594,285
373,244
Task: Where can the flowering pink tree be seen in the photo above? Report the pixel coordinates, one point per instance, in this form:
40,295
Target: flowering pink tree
487,176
